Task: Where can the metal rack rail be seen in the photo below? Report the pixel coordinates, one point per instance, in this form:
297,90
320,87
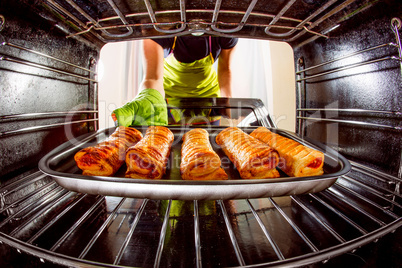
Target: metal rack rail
81,73
44,67
302,76
373,206
32,116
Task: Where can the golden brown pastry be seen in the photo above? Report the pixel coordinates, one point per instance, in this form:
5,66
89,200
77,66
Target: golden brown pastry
252,158
198,159
148,158
297,160
105,158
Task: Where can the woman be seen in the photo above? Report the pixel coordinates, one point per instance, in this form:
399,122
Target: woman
178,67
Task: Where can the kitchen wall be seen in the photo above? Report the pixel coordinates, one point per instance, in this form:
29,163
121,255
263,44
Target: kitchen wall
283,85
261,69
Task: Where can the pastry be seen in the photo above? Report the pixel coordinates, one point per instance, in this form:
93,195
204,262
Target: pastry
297,160
148,158
251,157
198,159
105,158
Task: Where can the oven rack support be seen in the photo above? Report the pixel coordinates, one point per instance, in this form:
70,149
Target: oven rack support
337,115
275,21
343,121
36,65
308,76
90,76
44,67
46,126
302,76
347,192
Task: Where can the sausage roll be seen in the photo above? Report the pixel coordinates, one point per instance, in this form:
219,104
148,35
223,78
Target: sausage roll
297,160
148,158
198,160
105,158
252,158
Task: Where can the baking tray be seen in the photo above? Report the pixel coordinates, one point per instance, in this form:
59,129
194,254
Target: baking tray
60,165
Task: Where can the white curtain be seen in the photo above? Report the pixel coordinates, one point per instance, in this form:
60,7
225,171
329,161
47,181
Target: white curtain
265,70
120,75
251,70
132,76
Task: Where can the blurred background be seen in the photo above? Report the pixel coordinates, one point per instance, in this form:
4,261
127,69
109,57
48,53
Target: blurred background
260,69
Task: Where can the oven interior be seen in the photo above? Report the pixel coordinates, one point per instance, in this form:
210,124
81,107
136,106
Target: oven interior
348,95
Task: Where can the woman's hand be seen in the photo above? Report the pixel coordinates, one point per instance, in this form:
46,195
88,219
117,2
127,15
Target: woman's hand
148,108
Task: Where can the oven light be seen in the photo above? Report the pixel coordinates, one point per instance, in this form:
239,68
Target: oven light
197,27
197,33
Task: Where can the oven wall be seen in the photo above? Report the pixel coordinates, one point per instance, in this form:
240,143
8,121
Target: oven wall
29,88
374,86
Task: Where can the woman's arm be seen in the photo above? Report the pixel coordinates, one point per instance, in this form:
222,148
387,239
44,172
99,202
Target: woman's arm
224,72
153,66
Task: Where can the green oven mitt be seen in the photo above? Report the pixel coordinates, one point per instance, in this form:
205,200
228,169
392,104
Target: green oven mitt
148,108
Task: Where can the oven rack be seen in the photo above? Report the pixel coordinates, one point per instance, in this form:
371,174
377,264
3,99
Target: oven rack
219,18
371,210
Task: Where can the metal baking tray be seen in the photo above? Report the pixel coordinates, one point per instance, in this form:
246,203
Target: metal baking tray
60,165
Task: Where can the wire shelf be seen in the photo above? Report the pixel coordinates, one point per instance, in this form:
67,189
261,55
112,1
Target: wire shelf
366,211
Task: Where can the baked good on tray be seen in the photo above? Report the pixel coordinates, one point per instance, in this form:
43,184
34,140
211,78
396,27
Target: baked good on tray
148,158
105,158
297,160
252,158
198,159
